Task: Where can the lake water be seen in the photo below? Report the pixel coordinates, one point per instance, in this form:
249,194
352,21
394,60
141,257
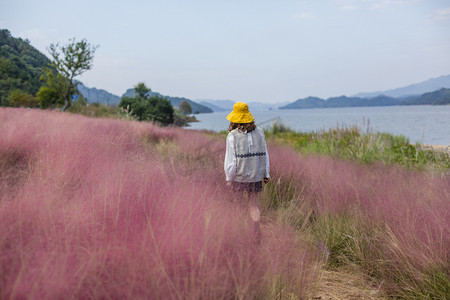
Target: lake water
425,124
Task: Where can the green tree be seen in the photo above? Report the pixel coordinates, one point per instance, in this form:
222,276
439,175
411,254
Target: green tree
160,110
71,61
155,109
141,90
17,98
185,108
48,97
51,95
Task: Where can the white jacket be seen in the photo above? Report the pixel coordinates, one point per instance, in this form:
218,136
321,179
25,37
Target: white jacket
246,157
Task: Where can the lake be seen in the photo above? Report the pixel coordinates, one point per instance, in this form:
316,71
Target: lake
426,124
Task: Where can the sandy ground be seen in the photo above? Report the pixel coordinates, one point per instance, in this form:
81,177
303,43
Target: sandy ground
437,148
337,285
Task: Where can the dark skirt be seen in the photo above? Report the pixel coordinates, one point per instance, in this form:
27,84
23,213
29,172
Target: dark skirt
251,187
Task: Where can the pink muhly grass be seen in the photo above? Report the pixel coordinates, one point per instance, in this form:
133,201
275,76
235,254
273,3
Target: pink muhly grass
100,212
408,211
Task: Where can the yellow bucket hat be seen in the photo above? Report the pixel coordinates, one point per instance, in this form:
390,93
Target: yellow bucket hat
240,114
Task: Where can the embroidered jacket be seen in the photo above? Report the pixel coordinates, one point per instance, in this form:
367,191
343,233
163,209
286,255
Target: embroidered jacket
246,157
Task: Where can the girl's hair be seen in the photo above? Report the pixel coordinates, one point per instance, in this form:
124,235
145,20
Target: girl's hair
242,127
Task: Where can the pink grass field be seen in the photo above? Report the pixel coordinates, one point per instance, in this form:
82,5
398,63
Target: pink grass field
404,216
414,205
97,208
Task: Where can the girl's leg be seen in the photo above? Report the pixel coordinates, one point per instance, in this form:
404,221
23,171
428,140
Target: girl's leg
248,193
255,215
254,189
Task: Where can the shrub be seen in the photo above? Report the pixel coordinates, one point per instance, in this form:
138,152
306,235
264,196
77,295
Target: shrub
49,97
148,108
18,98
95,110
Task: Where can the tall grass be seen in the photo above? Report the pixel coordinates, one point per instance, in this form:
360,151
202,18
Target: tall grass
390,222
351,142
98,111
112,209
95,208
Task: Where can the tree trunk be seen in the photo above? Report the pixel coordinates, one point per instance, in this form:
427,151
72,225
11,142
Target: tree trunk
67,100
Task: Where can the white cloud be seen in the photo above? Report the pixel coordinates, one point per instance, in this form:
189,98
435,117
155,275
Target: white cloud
305,16
350,7
441,14
370,4
383,4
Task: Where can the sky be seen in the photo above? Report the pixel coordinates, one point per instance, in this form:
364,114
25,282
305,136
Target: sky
267,51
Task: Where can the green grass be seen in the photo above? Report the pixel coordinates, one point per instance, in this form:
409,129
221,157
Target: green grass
369,147
97,110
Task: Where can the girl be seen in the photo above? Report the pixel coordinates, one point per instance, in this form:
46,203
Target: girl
246,159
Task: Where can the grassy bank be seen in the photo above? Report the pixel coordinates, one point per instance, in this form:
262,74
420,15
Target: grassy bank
100,208
352,143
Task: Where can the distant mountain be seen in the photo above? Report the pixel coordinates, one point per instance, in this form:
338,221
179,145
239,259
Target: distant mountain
309,102
384,101
420,88
20,66
342,101
227,105
94,95
212,106
259,106
440,97
196,107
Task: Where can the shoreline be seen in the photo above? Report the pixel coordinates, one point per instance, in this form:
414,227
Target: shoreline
436,148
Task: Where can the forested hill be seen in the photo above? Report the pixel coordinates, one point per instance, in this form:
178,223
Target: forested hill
20,65
342,101
196,107
440,97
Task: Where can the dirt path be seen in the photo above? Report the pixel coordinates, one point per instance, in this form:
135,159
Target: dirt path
343,285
